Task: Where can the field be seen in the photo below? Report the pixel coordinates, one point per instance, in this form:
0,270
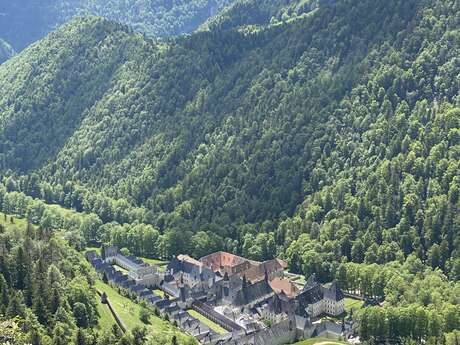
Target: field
354,304
96,249
128,312
160,263
120,269
106,320
298,279
320,341
159,293
215,327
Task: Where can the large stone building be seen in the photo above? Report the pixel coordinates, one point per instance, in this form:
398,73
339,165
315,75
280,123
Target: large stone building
312,301
141,272
240,295
223,263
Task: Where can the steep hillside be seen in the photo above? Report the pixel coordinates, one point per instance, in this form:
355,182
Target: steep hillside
347,111
43,292
325,132
28,21
250,13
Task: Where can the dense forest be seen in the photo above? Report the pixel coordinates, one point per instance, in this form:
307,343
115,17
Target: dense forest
45,285
47,293
27,21
323,132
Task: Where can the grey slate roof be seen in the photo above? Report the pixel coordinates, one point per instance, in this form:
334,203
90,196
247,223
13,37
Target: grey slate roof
333,292
252,292
327,326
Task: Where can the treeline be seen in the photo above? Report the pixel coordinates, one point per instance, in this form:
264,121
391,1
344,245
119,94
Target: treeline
46,284
417,302
47,210
327,138
408,325
262,13
372,155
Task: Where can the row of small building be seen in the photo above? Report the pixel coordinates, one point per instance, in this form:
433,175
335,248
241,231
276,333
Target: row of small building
130,282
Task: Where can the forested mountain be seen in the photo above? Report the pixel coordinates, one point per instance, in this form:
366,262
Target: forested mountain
228,132
24,22
249,13
6,51
325,132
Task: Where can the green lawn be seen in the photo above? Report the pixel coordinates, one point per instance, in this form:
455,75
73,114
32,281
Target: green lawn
214,326
106,320
322,341
155,261
120,269
96,249
128,312
65,212
159,293
298,279
354,304
159,263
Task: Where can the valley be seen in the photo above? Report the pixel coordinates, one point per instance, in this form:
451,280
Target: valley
319,139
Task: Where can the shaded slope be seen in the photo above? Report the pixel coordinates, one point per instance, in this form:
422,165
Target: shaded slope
217,128
229,132
48,88
27,21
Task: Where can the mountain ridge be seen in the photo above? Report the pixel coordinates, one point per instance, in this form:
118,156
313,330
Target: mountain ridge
156,18
226,131
325,133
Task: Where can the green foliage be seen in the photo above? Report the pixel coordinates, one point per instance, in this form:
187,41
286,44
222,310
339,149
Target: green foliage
11,333
27,22
247,14
44,282
325,132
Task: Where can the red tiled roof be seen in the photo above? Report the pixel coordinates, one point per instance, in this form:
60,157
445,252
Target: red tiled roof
223,259
257,272
190,260
284,285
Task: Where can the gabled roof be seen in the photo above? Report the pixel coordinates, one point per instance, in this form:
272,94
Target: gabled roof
329,327
309,296
223,259
162,304
186,258
285,286
333,292
181,315
258,271
177,266
252,293
153,299
311,282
